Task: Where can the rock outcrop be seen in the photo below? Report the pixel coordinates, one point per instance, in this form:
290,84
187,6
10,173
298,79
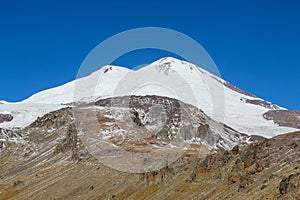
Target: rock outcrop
288,118
5,118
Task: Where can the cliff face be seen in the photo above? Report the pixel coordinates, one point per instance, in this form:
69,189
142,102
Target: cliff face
53,163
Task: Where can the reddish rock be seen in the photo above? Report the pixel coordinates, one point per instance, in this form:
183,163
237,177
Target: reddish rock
233,177
259,166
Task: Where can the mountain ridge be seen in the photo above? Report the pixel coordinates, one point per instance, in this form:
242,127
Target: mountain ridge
168,77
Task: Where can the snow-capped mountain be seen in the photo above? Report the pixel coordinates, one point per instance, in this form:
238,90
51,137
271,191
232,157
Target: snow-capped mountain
167,77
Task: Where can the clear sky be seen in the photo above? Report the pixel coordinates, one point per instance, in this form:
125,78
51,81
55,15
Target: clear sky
255,44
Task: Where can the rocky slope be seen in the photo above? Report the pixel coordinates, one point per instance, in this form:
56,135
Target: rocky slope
165,118
289,118
53,163
10,135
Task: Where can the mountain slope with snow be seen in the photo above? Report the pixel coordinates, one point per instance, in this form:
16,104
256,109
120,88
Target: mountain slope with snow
166,77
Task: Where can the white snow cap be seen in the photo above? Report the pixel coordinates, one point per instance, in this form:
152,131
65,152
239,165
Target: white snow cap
192,84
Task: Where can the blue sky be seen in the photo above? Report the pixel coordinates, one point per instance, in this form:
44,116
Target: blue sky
255,44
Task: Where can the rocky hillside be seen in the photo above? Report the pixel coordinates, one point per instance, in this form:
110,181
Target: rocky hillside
53,163
166,119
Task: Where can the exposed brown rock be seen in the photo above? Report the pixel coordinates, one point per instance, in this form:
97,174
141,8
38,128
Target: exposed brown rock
157,177
262,103
288,118
235,149
5,118
290,184
69,142
236,89
233,177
